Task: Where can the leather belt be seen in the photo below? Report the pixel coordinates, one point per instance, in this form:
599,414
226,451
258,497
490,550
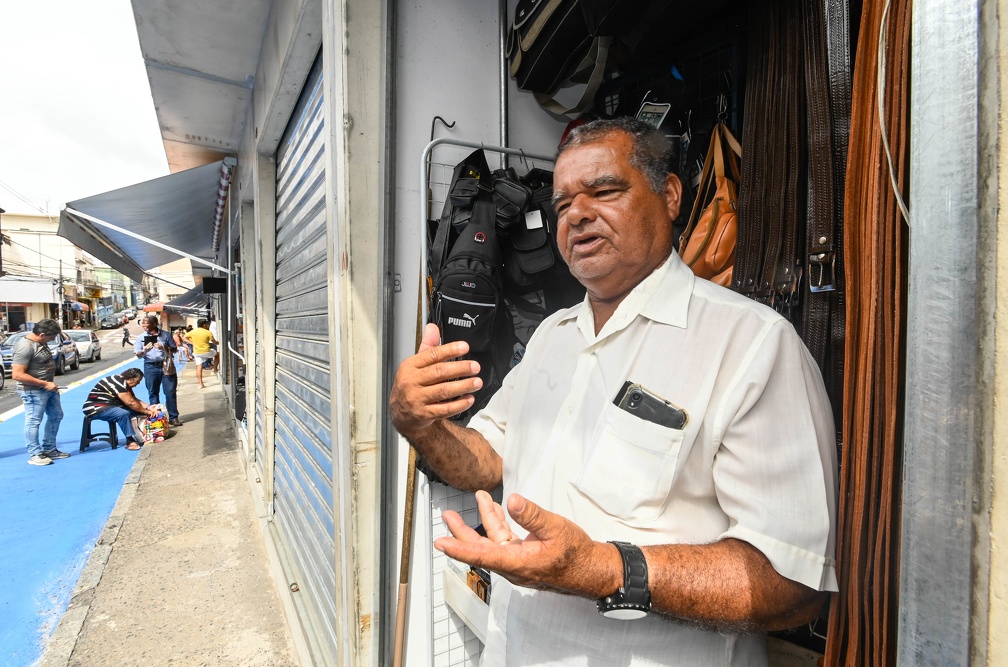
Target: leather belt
863,617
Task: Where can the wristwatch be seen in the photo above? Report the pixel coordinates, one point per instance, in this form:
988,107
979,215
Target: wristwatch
633,599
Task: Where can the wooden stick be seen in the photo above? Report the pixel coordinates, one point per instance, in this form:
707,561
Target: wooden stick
404,560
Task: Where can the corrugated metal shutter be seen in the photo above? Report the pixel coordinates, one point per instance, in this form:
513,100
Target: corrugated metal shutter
303,471
260,408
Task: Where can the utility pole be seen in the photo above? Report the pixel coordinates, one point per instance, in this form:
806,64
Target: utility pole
2,272
60,290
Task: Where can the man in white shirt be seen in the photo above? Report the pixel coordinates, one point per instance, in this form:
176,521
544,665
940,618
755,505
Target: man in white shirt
619,522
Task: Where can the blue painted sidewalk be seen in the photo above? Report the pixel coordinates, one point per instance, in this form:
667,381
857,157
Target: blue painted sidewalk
50,518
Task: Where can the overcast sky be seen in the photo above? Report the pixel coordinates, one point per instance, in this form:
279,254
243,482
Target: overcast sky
76,116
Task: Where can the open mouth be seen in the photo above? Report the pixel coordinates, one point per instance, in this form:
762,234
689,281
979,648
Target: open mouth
586,244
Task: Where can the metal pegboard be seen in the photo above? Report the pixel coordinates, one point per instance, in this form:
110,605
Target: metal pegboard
453,644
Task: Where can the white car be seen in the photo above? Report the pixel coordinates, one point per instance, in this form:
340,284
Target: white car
88,345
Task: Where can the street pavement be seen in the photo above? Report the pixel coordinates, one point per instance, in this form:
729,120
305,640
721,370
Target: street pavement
125,558
112,355
51,518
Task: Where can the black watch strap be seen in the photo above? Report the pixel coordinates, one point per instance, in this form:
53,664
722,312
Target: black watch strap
633,599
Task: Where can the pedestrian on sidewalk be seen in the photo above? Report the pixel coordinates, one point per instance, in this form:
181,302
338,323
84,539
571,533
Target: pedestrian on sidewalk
216,360
152,348
112,400
201,340
33,369
126,340
189,346
180,344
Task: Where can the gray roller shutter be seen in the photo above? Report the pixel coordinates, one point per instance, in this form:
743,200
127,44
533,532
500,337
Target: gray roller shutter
303,470
260,409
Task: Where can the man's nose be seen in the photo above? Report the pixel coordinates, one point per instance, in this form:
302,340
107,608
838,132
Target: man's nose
578,211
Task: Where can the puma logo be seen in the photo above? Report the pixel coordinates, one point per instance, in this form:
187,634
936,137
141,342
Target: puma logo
467,321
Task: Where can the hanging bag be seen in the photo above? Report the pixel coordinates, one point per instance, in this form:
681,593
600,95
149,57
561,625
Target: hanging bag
168,365
553,43
708,244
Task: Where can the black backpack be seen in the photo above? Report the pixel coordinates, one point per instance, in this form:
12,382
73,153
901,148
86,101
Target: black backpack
502,271
468,299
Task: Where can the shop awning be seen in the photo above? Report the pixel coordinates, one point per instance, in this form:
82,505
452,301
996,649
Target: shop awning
143,226
193,302
27,290
78,306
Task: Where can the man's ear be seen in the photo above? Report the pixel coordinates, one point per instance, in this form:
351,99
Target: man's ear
673,195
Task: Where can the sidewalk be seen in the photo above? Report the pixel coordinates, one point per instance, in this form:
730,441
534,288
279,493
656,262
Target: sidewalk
179,574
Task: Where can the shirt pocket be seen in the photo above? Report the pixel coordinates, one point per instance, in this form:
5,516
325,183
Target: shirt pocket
630,470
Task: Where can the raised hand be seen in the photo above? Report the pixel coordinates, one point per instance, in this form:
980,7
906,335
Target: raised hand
430,386
556,554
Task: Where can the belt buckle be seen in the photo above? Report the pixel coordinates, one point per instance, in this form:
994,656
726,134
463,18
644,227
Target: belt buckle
822,279
788,289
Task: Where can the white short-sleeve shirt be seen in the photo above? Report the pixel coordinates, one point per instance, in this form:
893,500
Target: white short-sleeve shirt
755,461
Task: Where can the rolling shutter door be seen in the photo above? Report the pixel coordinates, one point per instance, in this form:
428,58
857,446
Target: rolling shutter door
260,410
303,472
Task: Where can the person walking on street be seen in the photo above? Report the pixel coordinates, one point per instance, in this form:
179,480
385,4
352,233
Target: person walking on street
33,369
112,400
201,340
126,340
189,346
180,345
215,363
152,348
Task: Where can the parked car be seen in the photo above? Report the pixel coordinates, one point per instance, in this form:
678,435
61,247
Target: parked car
130,313
7,349
63,349
88,345
111,322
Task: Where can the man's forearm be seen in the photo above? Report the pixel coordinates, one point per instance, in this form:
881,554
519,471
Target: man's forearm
727,586
461,456
133,403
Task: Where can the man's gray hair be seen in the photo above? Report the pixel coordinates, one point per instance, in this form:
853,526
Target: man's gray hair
46,327
651,154
152,318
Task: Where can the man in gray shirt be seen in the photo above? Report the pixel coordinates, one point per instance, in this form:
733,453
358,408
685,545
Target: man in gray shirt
33,369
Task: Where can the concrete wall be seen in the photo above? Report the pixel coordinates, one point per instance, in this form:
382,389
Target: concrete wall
36,250
997,651
351,38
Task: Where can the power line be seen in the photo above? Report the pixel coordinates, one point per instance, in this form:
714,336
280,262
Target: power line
37,252
24,199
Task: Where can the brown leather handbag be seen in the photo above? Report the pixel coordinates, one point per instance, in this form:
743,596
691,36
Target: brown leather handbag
708,244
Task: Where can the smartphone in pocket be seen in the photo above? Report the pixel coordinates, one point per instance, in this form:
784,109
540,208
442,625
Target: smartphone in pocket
646,405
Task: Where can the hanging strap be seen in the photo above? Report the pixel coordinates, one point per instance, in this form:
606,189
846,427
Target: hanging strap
590,71
715,166
864,619
753,188
824,82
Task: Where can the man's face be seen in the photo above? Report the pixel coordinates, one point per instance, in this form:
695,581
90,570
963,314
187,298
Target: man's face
132,382
613,230
150,325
